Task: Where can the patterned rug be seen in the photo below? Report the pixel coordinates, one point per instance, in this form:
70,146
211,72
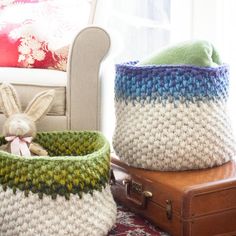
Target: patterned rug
130,224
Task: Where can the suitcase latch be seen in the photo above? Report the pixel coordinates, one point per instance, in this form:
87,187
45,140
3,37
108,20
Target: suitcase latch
168,209
136,187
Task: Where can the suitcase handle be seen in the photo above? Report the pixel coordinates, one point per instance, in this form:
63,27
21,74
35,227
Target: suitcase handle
144,195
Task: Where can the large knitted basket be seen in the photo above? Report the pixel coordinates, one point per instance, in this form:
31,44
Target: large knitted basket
172,117
66,193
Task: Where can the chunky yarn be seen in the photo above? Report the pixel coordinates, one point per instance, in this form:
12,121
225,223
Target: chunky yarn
92,215
172,117
65,193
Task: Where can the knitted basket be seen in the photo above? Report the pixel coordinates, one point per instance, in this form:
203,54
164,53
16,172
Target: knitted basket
172,117
66,193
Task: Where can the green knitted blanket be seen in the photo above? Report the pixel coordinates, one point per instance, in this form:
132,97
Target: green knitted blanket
198,53
78,163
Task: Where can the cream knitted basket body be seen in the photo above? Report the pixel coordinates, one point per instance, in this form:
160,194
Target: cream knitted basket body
172,117
66,193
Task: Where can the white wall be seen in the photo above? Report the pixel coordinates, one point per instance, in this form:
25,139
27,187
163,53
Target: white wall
181,20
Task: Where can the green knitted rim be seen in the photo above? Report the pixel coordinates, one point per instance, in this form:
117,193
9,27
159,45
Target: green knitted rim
78,162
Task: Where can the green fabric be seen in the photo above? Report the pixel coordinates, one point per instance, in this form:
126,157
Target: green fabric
78,162
198,53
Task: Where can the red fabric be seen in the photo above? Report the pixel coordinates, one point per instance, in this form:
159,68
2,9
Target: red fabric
130,224
37,33
8,45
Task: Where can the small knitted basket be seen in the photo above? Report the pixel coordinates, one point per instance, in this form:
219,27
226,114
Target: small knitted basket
65,193
172,117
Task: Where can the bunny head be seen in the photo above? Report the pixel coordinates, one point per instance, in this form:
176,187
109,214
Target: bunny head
20,123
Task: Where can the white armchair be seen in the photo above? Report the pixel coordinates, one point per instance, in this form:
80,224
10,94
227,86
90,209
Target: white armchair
77,101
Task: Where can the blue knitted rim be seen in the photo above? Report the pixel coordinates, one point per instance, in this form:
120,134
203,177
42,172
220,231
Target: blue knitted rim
171,82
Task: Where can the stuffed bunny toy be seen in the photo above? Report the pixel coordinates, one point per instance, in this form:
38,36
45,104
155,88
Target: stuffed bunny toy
19,128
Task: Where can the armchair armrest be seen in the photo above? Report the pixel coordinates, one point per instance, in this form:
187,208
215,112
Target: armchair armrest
88,50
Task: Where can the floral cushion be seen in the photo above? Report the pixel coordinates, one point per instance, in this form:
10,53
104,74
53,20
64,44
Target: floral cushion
37,33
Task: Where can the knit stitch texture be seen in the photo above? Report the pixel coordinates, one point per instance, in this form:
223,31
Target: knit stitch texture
65,193
172,117
78,163
91,215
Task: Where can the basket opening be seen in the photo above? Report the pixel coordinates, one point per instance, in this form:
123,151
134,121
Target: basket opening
68,143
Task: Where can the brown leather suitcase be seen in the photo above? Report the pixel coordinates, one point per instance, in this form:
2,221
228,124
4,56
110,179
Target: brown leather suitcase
188,203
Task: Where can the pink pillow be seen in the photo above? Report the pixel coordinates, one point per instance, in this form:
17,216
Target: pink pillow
37,33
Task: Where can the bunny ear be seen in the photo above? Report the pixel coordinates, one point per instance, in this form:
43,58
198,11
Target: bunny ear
40,105
9,99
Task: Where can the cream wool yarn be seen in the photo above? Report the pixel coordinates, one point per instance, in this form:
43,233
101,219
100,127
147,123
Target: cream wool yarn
92,215
65,193
172,117
157,137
